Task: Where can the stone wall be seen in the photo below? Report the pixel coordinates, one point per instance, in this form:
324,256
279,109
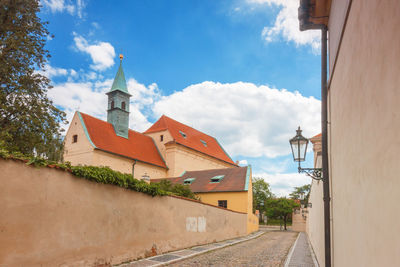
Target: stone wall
299,220
49,218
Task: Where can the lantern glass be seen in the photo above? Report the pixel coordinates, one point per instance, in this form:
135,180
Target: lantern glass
299,146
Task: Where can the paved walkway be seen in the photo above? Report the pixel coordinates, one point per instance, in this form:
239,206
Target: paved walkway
269,250
301,254
168,258
267,247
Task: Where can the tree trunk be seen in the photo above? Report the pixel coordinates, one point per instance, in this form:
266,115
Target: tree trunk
284,221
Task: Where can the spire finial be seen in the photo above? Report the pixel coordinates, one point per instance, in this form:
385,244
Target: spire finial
121,56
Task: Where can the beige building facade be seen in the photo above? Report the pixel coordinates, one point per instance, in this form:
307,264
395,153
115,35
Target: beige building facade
166,149
363,143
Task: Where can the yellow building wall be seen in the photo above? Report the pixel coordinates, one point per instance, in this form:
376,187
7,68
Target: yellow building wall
237,201
252,219
180,159
80,152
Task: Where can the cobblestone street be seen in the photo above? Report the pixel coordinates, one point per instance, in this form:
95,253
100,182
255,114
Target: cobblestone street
269,249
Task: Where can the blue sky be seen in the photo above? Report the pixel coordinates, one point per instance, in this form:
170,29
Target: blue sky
240,71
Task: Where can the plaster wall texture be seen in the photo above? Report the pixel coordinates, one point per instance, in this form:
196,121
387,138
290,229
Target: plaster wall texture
180,159
364,119
336,22
49,218
315,221
81,151
315,217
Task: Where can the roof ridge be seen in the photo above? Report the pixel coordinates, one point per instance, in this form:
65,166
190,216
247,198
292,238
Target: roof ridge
129,129
189,126
233,168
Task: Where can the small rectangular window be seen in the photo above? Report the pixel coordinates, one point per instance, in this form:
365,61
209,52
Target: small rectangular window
217,179
183,134
74,138
189,181
223,203
161,138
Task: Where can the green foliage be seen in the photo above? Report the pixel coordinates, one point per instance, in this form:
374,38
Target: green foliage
29,121
301,193
105,175
261,193
271,221
281,208
177,189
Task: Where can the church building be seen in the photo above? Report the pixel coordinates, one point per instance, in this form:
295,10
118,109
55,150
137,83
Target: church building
167,149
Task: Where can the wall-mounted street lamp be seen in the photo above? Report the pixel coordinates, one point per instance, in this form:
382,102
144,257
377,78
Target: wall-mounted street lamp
299,149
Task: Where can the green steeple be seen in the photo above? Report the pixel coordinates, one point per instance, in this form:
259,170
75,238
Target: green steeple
118,104
119,80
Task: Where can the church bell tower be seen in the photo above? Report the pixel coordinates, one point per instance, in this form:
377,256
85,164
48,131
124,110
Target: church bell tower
118,103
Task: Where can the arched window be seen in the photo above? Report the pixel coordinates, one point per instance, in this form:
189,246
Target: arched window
123,105
112,104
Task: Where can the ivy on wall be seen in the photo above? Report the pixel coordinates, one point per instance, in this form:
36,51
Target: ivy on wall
103,175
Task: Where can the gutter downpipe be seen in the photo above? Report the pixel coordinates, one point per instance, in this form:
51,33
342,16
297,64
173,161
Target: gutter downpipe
305,24
325,162
133,168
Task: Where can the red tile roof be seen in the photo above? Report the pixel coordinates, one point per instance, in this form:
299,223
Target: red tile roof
234,180
318,135
138,146
193,138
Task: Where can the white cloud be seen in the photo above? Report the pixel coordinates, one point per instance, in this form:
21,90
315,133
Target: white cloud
286,25
282,184
142,100
89,96
247,119
102,53
65,6
243,162
50,71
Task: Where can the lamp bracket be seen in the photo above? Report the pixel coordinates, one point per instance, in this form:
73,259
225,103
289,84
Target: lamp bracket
314,173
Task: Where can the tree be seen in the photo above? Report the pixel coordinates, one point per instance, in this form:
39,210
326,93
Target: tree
281,208
261,192
177,189
301,193
29,121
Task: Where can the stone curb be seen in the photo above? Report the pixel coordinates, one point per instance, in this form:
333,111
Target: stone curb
289,256
309,248
172,257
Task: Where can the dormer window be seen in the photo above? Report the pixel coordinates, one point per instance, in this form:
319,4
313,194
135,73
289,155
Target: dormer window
123,105
217,179
188,181
203,142
183,134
